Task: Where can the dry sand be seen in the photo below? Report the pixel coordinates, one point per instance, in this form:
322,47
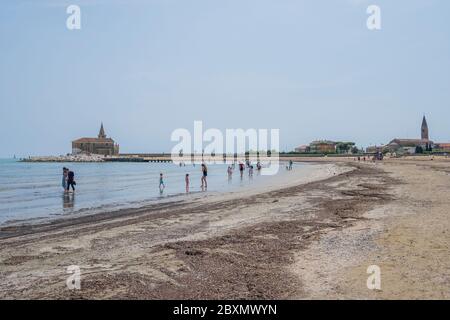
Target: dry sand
311,239
408,238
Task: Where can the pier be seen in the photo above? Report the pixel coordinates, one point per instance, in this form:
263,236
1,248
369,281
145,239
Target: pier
142,157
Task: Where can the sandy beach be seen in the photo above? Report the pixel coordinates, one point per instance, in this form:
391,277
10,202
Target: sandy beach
303,238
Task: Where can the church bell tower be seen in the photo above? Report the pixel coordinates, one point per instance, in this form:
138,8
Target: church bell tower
425,134
101,134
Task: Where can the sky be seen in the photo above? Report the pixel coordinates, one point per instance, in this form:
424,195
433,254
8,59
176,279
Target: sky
310,68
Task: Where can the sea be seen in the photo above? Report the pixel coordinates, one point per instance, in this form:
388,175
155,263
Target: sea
33,192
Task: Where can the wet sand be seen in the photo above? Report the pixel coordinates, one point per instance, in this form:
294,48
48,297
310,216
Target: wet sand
310,239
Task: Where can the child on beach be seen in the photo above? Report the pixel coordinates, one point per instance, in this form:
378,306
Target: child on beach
64,179
187,182
230,173
161,183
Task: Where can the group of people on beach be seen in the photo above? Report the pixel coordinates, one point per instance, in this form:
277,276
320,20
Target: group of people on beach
68,180
242,167
204,185
378,156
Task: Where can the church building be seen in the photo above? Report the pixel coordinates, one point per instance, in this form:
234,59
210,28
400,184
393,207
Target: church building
100,145
411,145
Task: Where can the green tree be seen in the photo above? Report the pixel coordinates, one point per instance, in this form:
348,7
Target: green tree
344,147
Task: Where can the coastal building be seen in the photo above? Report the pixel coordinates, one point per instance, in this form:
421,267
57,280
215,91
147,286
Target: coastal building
302,149
327,146
442,146
323,146
375,149
408,146
100,145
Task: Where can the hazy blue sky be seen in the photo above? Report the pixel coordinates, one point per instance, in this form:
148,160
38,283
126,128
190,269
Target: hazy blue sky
144,68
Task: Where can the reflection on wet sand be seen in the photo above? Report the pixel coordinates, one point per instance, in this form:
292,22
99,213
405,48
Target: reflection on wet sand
68,200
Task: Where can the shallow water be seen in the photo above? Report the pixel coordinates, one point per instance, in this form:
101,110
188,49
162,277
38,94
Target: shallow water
33,190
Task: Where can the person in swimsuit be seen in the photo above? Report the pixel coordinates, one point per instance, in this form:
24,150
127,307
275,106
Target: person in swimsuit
161,183
64,179
230,173
241,169
187,182
204,175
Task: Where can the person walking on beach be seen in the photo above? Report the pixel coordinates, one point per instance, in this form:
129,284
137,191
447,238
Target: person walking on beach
290,164
204,175
230,173
186,179
64,179
241,169
161,183
70,180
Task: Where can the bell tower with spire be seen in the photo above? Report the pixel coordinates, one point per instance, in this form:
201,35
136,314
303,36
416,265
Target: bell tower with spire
101,134
425,134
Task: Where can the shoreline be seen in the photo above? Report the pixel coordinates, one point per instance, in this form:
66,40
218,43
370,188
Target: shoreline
303,241
303,174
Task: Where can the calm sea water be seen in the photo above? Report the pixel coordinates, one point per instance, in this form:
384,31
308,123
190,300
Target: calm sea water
33,190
